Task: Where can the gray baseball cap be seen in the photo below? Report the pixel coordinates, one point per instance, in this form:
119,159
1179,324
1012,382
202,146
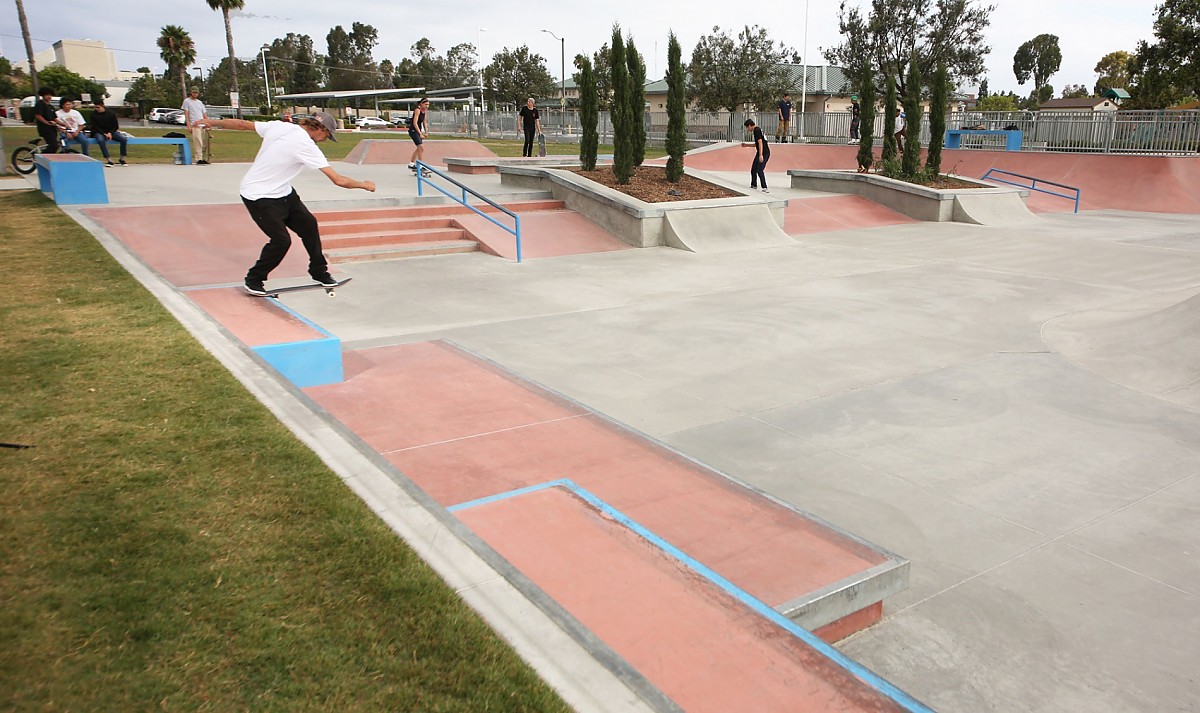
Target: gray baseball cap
329,123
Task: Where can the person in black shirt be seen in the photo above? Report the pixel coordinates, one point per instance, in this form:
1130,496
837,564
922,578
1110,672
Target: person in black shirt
46,119
531,123
418,131
762,154
104,129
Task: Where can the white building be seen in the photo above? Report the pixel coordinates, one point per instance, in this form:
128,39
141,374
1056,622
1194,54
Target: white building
87,58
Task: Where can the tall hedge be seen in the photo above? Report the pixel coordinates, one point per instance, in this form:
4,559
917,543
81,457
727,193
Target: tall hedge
676,109
889,120
938,99
637,101
910,160
588,113
619,109
866,114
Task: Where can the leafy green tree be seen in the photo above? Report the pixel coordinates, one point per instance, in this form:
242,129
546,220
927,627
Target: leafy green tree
983,89
1113,70
10,85
177,49
348,57
637,101
216,90
866,115
425,68
889,121
602,71
225,6
68,84
676,109
1168,71
997,102
939,98
1075,91
910,158
950,31
1039,58
619,110
515,75
149,91
589,115
729,73
294,64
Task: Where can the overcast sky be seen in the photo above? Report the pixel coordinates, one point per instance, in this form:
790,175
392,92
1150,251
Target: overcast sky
1086,30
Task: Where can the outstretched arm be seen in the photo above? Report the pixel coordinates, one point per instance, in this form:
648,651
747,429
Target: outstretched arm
346,182
234,124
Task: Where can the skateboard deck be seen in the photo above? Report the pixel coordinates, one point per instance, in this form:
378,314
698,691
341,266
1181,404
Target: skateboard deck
541,145
296,288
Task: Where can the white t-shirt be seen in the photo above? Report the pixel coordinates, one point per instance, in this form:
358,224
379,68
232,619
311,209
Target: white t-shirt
900,122
286,149
73,119
194,108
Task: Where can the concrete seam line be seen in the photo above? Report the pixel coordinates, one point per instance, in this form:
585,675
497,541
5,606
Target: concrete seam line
562,661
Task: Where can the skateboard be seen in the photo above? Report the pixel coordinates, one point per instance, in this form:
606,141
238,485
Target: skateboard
424,172
541,145
329,289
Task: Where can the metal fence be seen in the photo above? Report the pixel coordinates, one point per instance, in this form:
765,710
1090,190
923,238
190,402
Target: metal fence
1144,132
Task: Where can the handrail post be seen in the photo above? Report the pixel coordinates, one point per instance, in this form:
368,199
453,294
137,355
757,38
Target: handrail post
420,179
518,236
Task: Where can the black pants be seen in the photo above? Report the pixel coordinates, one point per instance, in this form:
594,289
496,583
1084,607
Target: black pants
758,167
49,134
527,149
274,216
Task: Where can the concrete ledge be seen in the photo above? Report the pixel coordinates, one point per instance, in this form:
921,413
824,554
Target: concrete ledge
72,179
919,202
308,362
633,221
491,165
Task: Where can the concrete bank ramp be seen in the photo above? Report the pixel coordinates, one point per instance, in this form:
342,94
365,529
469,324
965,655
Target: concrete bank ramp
1142,345
1005,209
723,229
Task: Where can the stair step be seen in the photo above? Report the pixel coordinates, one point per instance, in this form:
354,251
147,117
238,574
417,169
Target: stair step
392,237
425,211
391,252
343,227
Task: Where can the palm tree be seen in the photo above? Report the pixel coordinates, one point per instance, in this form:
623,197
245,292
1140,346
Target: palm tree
178,50
28,45
225,6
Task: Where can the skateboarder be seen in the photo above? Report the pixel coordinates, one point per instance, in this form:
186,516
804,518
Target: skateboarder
269,197
531,125
762,154
418,131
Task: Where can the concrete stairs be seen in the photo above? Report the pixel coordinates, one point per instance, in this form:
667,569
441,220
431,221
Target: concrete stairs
409,231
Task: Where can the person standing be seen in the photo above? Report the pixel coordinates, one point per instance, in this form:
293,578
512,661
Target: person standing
854,118
193,113
104,129
418,131
46,118
762,154
785,119
531,124
899,131
273,203
72,122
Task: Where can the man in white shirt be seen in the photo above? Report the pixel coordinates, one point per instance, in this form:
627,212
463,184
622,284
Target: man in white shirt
267,191
900,133
193,112
72,122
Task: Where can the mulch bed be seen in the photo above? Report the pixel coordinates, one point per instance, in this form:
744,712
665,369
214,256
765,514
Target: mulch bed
649,183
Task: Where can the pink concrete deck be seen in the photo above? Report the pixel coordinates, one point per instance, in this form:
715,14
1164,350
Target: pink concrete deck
400,151
699,645
254,320
818,215
1165,184
543,234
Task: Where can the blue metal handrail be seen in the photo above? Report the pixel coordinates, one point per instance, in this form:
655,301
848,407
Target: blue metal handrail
422,179
1033,183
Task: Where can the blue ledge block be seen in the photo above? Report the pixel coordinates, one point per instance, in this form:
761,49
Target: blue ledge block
73,179
313,362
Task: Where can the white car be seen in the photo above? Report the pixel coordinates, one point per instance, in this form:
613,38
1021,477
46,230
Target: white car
164,115
373,122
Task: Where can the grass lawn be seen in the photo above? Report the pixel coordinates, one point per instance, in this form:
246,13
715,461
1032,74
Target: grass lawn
168,544
241,146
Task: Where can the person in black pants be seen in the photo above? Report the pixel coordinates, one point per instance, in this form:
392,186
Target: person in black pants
762,154
531,123
46,118
104,129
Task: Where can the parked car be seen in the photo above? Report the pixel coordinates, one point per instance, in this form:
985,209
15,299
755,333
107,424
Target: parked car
373,122
164,115
401,121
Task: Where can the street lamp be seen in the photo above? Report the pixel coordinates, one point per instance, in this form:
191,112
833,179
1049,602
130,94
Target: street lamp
201,69
563,43
804,75
266,82
479,58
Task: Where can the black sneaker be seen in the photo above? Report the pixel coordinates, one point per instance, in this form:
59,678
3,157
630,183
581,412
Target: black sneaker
108,164
122,162
326,280
255,287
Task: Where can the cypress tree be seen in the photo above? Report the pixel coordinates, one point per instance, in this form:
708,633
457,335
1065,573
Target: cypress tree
637,102
866,114
910,161
619,108
889,120
938,99
676,110
588,113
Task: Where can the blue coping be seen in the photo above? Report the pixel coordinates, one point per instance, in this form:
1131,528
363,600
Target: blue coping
760,607
72,179
312,362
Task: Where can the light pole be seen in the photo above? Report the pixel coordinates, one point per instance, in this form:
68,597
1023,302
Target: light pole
563,78
479,57
201,69
804,74
266,82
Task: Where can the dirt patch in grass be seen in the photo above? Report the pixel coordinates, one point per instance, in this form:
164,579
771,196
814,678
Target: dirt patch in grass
649,183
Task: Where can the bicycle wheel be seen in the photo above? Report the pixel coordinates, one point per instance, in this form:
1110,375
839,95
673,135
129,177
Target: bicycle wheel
22,160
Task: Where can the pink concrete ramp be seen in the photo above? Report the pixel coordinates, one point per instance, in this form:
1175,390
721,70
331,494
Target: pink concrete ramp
399,151
825,214
552,233
1154,184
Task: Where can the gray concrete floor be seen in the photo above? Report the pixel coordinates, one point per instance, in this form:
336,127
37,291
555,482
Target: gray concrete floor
895,381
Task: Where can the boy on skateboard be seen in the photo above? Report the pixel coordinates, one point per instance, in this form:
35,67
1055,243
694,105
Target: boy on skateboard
267,191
